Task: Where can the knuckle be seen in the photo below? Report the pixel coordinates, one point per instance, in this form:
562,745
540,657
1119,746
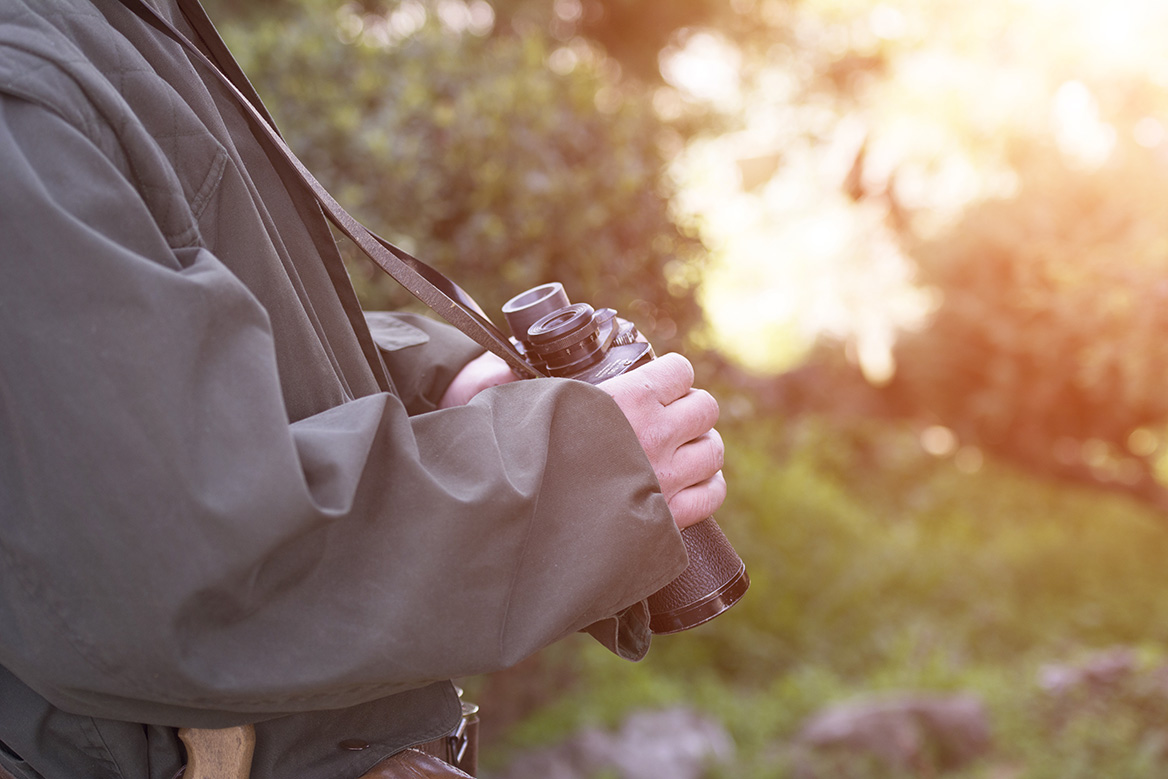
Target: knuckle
680,368
709,406
698,502
713,496
653,440
717,452
716,499
683,512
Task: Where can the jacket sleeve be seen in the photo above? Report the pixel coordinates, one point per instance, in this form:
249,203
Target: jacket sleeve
421,354
175,551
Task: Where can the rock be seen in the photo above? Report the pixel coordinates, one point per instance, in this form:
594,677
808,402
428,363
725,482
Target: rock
676,743
910,734
1109,669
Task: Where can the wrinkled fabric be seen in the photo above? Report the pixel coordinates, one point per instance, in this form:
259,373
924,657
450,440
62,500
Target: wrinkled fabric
220,502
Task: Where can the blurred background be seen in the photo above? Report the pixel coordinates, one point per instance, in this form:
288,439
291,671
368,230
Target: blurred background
919,250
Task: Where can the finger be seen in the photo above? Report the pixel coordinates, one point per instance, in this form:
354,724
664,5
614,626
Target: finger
695,503
661,381
693,463
674,375
693,415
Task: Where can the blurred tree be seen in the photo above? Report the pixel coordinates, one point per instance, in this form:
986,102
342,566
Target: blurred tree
632,32
1048,346
1023,177
503,161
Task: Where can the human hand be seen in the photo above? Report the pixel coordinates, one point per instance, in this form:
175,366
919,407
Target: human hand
486,370
675,424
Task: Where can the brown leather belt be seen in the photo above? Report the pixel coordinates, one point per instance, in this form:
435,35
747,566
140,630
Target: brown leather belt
414,764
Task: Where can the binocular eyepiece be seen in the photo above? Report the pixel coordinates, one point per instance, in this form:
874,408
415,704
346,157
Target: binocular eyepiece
575,341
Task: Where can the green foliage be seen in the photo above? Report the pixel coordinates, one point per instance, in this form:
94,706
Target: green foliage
1107,730
863,549
472,153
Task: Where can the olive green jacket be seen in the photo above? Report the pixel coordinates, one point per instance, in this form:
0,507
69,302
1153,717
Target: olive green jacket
219,501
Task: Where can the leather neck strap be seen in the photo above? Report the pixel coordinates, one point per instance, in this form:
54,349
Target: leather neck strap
441,294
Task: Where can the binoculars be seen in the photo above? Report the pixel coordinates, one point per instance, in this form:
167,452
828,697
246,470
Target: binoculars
575,341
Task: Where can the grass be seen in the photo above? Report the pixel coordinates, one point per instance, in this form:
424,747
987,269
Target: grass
878,568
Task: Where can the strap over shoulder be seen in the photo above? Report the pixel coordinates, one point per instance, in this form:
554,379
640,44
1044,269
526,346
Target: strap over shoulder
442,295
